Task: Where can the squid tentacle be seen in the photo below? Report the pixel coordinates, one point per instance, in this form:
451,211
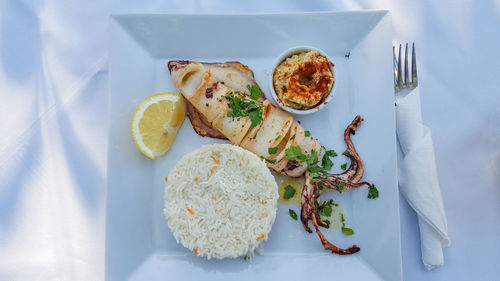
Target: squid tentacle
350,179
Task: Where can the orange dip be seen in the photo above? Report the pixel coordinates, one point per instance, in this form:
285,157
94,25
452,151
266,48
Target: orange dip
303,80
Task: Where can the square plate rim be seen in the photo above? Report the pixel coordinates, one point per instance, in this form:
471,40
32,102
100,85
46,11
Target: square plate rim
114,17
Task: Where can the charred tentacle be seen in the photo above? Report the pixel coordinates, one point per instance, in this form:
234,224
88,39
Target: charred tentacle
347,180
309,212
355,171
329,246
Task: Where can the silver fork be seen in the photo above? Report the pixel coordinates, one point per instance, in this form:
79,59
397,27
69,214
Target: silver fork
400,82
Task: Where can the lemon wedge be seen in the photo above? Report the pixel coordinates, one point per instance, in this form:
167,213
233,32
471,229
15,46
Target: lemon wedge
156,121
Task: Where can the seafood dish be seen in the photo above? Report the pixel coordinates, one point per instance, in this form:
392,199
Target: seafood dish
225,101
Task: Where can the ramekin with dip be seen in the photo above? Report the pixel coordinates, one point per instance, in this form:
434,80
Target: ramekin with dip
303,80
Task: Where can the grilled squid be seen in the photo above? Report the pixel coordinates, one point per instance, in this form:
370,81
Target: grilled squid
332,182
206,86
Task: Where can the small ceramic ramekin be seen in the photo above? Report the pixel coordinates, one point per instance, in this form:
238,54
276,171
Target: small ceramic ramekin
288,53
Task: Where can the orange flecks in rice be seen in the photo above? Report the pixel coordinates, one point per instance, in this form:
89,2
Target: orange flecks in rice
261,236
215,198
196,179
245,199
166,179
195,251
213,168
215,160
189,210
264,202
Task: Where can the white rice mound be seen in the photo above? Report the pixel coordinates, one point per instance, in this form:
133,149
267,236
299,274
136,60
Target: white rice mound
220,210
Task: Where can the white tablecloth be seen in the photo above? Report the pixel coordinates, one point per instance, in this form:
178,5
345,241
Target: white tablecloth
53,109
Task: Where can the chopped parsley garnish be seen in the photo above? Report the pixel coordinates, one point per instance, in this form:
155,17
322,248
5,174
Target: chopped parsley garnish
293,137
311,159
256,117
321,185
292,214
255,136
241,107
272,150
326,162
268,160
289,192
302,157
345,152
307,133
345,230
331,153
277,138
255,92
293,152
315,169
343,166
340,187
314,175
372,192
325,208
327,211
347,55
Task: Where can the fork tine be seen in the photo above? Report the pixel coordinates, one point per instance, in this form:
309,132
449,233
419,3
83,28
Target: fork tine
395,66
407,83
414,77
400,75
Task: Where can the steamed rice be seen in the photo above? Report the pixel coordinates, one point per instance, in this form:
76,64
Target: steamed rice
220,201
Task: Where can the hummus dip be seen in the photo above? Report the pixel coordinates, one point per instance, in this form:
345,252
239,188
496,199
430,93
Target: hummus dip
303,80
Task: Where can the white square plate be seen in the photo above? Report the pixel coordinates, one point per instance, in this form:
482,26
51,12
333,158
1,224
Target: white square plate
139,245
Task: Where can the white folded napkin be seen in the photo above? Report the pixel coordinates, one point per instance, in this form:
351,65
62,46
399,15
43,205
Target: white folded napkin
418,179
